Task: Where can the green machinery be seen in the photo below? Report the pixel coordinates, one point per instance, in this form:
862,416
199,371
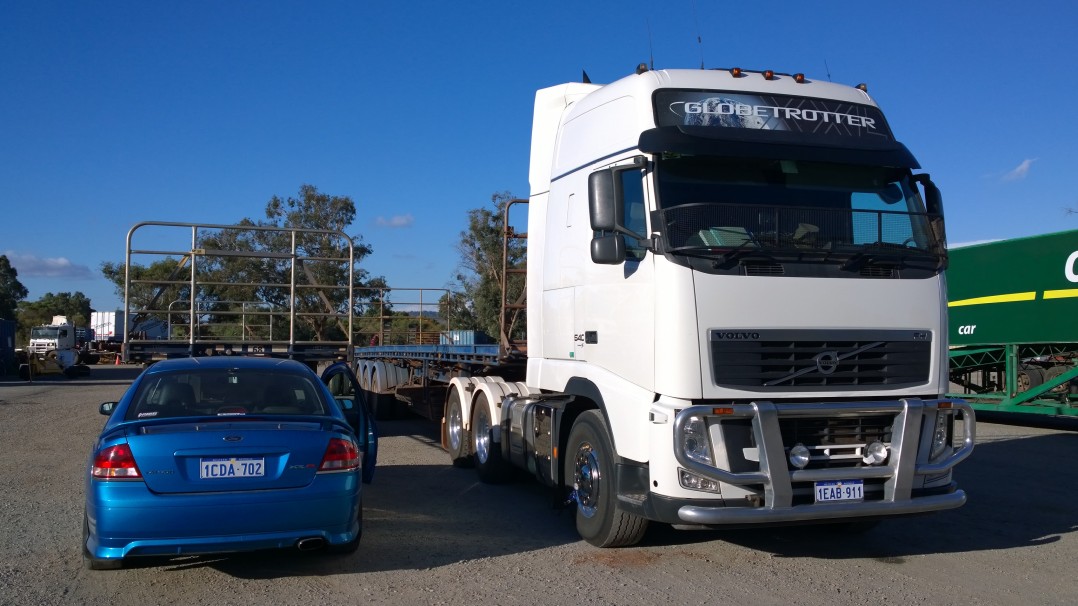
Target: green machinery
1013,315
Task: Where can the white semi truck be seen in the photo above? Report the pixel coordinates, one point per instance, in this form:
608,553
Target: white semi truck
736,314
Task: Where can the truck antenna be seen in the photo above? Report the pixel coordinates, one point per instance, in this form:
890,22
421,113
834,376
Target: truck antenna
699,39
827,69
651,47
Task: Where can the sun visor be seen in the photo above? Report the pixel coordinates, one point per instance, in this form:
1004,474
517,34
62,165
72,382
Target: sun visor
705,141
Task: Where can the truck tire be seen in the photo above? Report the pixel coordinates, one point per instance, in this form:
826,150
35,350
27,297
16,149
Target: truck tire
457,440
589,471
492,467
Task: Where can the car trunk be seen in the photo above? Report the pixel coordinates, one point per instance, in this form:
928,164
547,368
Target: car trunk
234,455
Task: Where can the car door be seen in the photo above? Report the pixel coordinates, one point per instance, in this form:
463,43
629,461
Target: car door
344,387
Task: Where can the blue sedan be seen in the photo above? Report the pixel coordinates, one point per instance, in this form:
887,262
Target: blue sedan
226,454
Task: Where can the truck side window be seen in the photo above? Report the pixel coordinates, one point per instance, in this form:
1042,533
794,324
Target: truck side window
632,187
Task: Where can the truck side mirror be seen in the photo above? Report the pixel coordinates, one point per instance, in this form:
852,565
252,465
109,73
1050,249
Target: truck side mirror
934,206
608,249
604,201
606,211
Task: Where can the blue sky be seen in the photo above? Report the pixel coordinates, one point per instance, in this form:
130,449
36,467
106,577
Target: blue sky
113,113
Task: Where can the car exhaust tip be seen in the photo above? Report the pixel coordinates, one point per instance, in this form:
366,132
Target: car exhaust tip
310,543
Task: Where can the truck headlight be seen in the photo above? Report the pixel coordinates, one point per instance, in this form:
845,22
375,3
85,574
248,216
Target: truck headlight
694,441
941,436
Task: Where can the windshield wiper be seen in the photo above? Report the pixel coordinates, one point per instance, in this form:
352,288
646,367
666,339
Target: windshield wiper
723,256
890,255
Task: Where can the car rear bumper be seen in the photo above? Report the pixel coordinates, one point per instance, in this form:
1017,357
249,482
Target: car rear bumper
124,518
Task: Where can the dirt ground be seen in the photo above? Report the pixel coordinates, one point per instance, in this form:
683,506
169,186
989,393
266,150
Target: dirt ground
435,535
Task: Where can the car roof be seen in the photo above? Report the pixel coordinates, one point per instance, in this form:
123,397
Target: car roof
196,364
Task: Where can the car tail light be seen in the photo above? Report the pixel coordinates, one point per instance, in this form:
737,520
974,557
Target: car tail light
341,455
115,462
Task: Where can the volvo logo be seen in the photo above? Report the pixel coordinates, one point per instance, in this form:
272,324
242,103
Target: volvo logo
233,438
827,362
735,336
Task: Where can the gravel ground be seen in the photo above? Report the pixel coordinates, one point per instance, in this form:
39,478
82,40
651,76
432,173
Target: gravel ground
434,535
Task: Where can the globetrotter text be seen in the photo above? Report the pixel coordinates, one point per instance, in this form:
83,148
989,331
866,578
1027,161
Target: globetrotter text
724,108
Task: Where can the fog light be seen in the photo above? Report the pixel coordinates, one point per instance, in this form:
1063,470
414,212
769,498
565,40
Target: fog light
694,482
799,456
694,441
940,437
875,453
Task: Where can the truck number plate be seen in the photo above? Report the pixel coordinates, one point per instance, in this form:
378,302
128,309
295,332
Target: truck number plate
840,490
213,469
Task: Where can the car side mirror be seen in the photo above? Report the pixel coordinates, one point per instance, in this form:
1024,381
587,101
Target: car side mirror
107,408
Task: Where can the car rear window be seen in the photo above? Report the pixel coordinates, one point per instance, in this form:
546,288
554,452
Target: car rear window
233,392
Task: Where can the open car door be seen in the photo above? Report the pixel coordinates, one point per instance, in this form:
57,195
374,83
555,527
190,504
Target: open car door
342,383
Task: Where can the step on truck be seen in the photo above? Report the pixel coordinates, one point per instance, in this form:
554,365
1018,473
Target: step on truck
736,314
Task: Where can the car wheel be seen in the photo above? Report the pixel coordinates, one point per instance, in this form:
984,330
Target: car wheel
589,471
457,439
96,563
492,468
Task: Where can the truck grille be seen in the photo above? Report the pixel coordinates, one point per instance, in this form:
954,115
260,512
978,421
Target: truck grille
820,360
836,442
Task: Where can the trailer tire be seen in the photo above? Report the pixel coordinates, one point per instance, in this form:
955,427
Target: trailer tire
589,471
457,440
384,404
492,467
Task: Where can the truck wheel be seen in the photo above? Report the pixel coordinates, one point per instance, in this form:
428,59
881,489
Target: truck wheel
492,468
589,470
457,439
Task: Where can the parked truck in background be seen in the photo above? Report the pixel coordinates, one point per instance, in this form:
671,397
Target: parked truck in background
736,314
1013,307
53,349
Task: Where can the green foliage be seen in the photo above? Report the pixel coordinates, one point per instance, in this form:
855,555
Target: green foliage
11,290
482,249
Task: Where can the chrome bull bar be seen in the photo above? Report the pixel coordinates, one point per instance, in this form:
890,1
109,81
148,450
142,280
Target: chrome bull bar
904,462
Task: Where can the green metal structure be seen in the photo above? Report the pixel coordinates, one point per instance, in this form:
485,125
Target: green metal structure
1013,315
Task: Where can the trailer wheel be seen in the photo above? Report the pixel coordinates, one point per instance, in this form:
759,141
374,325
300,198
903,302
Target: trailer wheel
589,468
1029,377
492,467
457,439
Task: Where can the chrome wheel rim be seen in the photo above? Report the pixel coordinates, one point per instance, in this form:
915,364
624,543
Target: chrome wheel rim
456,428
587,480
481,431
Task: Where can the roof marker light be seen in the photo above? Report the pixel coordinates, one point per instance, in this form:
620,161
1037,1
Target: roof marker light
862,87
735,72
769,74
799,78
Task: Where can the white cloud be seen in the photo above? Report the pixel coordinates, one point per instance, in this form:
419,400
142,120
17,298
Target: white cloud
1021,171
396,221
32,266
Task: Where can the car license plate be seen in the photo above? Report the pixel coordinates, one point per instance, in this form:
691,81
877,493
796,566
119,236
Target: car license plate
840,490
212,469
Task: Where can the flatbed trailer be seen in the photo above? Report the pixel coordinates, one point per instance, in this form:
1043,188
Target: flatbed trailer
1012,308
416,377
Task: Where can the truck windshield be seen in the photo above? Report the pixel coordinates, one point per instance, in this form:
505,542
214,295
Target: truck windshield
44,332
712,205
